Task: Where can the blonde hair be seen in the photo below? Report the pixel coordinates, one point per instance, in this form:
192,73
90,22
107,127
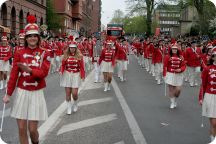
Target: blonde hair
78,55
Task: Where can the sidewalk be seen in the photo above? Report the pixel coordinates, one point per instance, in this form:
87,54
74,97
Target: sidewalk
99,120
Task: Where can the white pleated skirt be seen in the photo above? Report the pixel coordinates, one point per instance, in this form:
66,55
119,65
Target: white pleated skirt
123,64
107,67
174,79
209,105
70,79
4,65
29,105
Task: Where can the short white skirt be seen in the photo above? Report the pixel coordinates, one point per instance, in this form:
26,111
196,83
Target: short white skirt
107,67
70,79
174,79
123,64
29,105
4,65
209,105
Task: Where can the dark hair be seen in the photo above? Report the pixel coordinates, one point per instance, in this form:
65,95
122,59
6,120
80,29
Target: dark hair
39,40
211,60
171,53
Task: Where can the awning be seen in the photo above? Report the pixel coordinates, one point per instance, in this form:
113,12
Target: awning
5,29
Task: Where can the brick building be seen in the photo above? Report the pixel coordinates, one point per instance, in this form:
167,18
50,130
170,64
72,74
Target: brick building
14,12
96,16
80,15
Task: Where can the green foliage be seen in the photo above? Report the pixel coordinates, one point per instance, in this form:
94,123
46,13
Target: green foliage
53,19
195,30
206,11
135,25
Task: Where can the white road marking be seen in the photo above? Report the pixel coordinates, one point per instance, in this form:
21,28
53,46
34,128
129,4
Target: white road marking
7,112
55,116
121,142
94,101
135,129
87,123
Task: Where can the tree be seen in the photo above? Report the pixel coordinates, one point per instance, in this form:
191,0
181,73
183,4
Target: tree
135,25
53,19
206,11
118,16
212,27
146,7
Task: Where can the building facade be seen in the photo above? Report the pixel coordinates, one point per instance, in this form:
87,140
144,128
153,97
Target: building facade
14,13
168,17
64,9
83,16
96,16
189,17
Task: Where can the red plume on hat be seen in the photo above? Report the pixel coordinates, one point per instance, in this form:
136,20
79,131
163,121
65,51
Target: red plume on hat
31,27
4,36
173,41
31,19
71,38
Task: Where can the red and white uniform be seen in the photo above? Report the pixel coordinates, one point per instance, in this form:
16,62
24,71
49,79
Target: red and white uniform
17,48
149,51
157,58
72,70
5,55
192,58
38,60
121,56
173,69
209,90
107,60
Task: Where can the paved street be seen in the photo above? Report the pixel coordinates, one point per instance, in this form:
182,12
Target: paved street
103,118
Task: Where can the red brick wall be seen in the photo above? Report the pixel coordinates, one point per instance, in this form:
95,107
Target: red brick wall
27,7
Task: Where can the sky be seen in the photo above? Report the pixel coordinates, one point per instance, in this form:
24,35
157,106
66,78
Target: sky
108,8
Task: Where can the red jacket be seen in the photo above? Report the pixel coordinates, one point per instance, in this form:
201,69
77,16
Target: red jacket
5,53
138,47
157,56
72,64
107,56
209,79
17,48
38,60
173,64
192,57
122,53
145,45
84,49
149,50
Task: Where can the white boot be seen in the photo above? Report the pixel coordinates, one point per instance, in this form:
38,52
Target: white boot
175,103
69,107
212,138
172,104
75,106
108,87
122,79
105,86
1,84
158,81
